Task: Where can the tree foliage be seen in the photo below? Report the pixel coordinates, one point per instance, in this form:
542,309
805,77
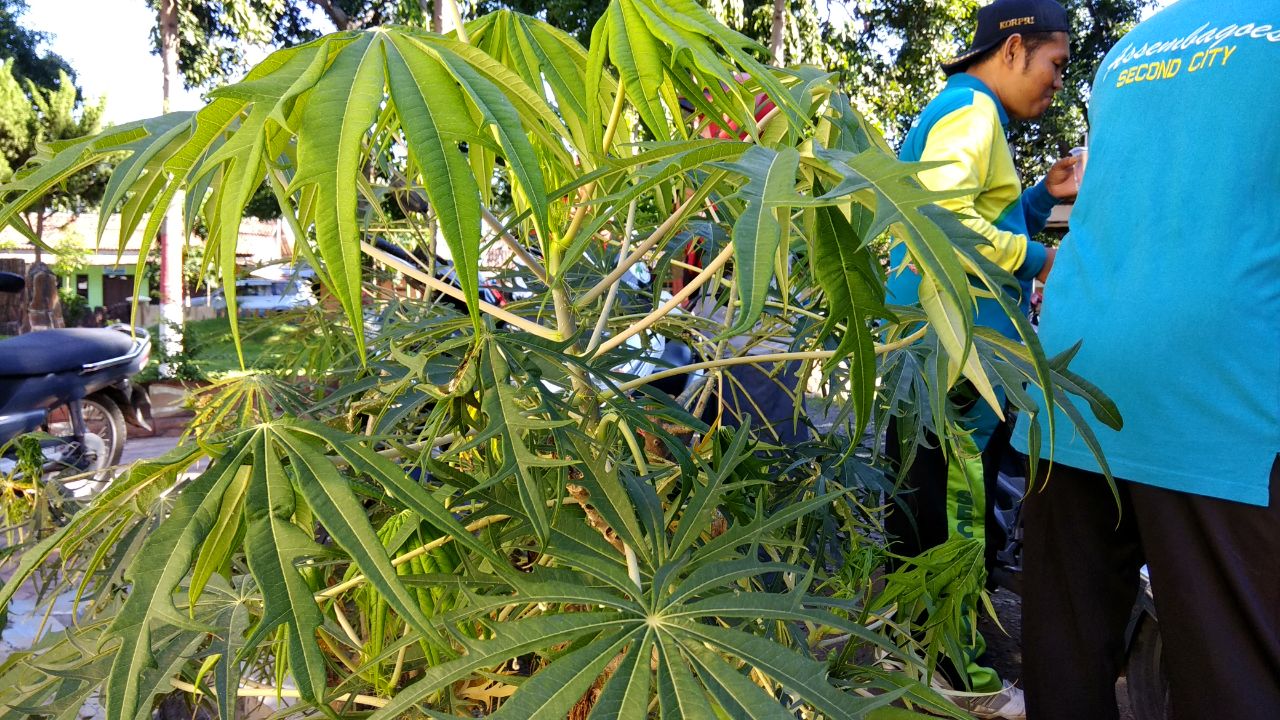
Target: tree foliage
40,104
24,46
895,66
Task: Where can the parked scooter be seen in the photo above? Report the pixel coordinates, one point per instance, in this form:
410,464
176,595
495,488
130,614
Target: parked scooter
74,385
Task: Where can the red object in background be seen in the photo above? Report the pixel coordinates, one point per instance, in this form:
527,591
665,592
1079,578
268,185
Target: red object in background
693,253
712,130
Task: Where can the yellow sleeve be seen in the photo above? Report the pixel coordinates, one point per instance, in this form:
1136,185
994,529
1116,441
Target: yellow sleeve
964,139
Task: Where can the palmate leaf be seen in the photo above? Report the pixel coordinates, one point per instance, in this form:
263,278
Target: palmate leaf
507,424
515,639
338,114
682,610
679,695
855,294
233,625
769,192
446,173
537,52
273,544
1050,375
626,695
944,288
679,632
551,693
652,42
501,116
309,109
168,551
162,133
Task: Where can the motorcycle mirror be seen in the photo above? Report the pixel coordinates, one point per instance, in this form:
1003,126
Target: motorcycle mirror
12,283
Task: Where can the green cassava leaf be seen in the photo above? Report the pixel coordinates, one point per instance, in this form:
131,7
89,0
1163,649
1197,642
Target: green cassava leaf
169,551
338,114
446,175
855,293
273,547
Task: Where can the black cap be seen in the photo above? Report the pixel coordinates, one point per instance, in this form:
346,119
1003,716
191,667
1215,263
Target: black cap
1004,18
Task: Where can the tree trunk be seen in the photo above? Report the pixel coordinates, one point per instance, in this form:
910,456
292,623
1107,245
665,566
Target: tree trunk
435,9
340,18
777,38
170,235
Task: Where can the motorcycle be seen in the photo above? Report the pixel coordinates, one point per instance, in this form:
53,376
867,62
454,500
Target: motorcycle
74,385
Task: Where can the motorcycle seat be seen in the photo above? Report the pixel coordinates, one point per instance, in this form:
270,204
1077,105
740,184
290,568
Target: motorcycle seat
54,351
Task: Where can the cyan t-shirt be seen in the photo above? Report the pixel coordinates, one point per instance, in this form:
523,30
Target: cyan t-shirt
1171,271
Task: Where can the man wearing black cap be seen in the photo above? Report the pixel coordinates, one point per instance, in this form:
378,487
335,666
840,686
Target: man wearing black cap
1013,69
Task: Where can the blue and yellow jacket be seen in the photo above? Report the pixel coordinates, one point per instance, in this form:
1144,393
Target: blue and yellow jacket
964,125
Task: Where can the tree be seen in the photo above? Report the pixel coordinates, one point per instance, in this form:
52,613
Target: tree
32,116
23,46
170,238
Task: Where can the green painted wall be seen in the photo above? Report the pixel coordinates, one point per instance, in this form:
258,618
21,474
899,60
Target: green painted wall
95,273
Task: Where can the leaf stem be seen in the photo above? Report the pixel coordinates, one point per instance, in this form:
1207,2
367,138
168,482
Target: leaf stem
524,255
281,692
526,325
719,351
580,212
457,21
671,304
603,320
658,235
756,359
440,542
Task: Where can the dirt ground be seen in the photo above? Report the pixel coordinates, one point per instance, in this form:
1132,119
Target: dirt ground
1005,650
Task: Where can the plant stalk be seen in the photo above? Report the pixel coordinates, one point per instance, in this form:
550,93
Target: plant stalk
720,348
457,21
359,580
756,359
603,320
658,235
580,212
282,692
671,304
526,325
525,256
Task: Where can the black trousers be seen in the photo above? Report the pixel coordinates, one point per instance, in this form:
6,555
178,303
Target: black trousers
922,489
1215,573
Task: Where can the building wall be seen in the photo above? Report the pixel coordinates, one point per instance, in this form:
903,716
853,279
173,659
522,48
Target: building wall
95,273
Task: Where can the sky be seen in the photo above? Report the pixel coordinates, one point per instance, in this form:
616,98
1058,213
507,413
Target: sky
108,44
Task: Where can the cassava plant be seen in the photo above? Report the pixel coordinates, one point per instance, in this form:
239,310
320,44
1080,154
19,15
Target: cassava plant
451,506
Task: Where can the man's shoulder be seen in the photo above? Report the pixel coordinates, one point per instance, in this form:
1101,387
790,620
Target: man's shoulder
962,111
961,102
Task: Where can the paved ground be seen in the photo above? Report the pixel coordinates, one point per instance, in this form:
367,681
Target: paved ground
145,448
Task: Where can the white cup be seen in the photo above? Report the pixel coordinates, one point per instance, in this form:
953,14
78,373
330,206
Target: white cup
1083,154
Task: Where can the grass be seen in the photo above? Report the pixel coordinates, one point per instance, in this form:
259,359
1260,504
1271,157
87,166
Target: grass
211,351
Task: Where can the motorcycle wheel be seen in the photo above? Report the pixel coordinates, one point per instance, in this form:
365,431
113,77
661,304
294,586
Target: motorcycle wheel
102,417
1148,684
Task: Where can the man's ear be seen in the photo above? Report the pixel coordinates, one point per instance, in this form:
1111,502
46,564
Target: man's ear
1012,50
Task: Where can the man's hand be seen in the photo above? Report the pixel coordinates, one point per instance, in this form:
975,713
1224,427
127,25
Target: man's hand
1049,255
1061,179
